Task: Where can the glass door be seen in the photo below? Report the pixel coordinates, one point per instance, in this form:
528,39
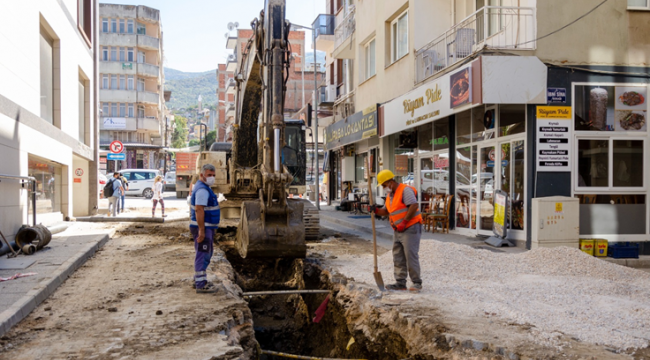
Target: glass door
511,180
466,169
483,183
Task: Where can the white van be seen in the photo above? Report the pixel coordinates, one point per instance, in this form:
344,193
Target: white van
140,181
434,181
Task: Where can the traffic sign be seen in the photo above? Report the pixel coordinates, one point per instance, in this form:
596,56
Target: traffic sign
79,171
116,156
116,147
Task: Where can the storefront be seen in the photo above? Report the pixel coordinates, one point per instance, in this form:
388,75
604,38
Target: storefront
352,144
465,134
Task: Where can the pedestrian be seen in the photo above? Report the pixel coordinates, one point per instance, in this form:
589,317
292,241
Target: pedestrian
404,214
157,196
118,191
125,185
204,221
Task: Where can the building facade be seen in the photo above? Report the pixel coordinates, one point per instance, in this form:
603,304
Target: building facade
131,83
489,95
224,116
47,118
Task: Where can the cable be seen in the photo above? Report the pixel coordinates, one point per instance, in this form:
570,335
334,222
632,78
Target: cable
594,71
565,26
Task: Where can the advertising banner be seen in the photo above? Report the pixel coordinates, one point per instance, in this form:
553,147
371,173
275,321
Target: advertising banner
554,138
111,123
499,224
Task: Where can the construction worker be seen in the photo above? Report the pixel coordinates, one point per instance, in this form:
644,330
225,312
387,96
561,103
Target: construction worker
404,214
204,221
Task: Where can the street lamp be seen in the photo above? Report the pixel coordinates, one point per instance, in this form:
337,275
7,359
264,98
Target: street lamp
313,37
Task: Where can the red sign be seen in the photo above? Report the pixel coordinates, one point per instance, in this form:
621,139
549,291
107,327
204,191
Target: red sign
102,160
116,147
77,180
79,171
401,165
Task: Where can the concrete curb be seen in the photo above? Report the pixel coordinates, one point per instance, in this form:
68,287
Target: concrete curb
34,297
130,219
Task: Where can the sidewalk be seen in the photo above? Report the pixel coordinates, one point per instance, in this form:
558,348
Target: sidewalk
53,265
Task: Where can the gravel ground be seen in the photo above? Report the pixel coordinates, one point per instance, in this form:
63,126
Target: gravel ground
558,291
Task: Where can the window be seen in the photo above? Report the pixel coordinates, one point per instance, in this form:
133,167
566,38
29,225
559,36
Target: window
83,107
129,54
610,108
140,111
131,110
441,134
84,18
141,57
114,109
122,82
49,83
130,82
122,26
105,25
399,37
129,26
140,84
638,4
370,59
610,163
114,82
105,109
114,25
49,184
142,30
122,54
105,81
113,54
122,110
361,168
512,119
104,53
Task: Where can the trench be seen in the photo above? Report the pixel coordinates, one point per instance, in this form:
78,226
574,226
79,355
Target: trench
283,323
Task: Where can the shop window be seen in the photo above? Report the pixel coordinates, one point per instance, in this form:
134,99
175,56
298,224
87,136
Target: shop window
512,119
479,132
425,139
48,184
361,168
464,127
594,108
441,134
139,158
612,213
595,170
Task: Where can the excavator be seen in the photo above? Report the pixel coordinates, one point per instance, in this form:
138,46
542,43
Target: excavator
252,176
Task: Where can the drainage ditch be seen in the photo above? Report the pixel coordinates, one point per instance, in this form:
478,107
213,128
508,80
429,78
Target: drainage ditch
284,323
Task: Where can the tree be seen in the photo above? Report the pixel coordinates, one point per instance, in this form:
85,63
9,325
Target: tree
210,138
194,142
179,136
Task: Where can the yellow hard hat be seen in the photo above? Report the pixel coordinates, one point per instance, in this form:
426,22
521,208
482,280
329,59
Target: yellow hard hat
384,176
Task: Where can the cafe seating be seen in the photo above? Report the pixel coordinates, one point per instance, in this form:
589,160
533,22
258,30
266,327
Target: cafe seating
439,215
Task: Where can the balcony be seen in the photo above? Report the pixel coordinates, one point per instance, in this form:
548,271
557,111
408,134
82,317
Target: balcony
129,68
231,110
148,70
230,88
148,42
231,43
345,26
148,14
324,26
129,96
129,40
128,124
231,65
148,123
490,27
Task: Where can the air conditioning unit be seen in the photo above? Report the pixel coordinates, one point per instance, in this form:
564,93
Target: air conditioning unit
331,93
232,57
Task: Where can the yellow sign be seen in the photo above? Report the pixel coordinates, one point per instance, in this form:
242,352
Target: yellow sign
554,112
432,96
558,207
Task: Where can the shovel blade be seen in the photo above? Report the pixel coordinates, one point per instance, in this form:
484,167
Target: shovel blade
379,280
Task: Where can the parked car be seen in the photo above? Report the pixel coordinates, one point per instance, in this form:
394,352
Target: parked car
170,181
102,179
434,181
140,181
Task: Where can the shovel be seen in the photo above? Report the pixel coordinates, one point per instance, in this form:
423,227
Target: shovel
378,279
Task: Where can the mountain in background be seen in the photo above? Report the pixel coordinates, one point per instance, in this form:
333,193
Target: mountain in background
186,87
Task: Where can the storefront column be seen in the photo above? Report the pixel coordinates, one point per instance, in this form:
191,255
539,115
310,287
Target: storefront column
452,170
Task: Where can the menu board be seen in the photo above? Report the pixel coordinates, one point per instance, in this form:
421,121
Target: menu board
553,138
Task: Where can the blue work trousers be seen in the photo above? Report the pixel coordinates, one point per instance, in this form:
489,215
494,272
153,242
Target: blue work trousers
203,256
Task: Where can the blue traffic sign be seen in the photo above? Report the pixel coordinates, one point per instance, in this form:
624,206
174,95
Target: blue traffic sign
115,156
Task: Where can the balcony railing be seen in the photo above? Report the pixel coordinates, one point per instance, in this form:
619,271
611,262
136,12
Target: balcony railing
344,105
324,24
344,28
490,27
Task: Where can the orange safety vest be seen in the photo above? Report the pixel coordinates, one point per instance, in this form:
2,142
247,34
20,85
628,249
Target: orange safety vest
397,210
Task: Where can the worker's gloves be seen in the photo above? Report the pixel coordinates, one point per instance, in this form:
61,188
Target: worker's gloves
372,208
401,227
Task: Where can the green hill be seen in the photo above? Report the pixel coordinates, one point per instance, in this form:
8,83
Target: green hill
186,87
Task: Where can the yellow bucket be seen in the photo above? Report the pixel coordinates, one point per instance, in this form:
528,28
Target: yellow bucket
600,247
587,245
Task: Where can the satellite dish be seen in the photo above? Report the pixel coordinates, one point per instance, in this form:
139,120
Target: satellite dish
236,24
231,26
226,35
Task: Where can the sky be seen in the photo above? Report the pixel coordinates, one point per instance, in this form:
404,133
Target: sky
194,30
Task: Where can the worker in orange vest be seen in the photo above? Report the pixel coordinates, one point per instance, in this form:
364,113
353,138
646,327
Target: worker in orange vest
404,214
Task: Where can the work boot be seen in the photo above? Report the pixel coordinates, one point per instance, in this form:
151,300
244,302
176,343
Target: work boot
415,288
209,283
207,289
396,287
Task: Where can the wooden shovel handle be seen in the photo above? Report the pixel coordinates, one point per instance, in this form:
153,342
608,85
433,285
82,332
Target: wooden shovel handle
371,201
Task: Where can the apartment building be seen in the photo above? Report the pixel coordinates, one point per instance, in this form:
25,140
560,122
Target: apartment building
468,93
131,83
47,116
225,113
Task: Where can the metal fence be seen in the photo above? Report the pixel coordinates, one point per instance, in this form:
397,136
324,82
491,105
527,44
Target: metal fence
491,27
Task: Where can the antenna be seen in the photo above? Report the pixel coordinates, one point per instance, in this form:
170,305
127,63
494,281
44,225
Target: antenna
227,35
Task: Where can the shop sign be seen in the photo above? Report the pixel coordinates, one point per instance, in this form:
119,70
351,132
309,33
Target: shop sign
556,95
499,223
77,180
114,123
428,102
553,138
359,126
127,66
102,160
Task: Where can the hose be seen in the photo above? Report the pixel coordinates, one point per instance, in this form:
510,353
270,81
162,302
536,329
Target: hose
291,356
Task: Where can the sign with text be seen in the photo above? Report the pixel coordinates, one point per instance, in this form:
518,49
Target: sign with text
111,123
401,165
499,224
553,138
119,157
359,126
556,95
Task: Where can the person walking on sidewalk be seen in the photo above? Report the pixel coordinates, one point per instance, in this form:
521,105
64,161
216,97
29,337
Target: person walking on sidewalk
125,186
118,191
404,214
204,221
157,196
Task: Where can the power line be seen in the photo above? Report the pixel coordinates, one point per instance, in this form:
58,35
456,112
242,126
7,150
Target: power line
565,26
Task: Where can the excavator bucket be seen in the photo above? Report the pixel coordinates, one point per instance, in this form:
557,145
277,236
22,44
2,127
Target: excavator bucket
273,233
